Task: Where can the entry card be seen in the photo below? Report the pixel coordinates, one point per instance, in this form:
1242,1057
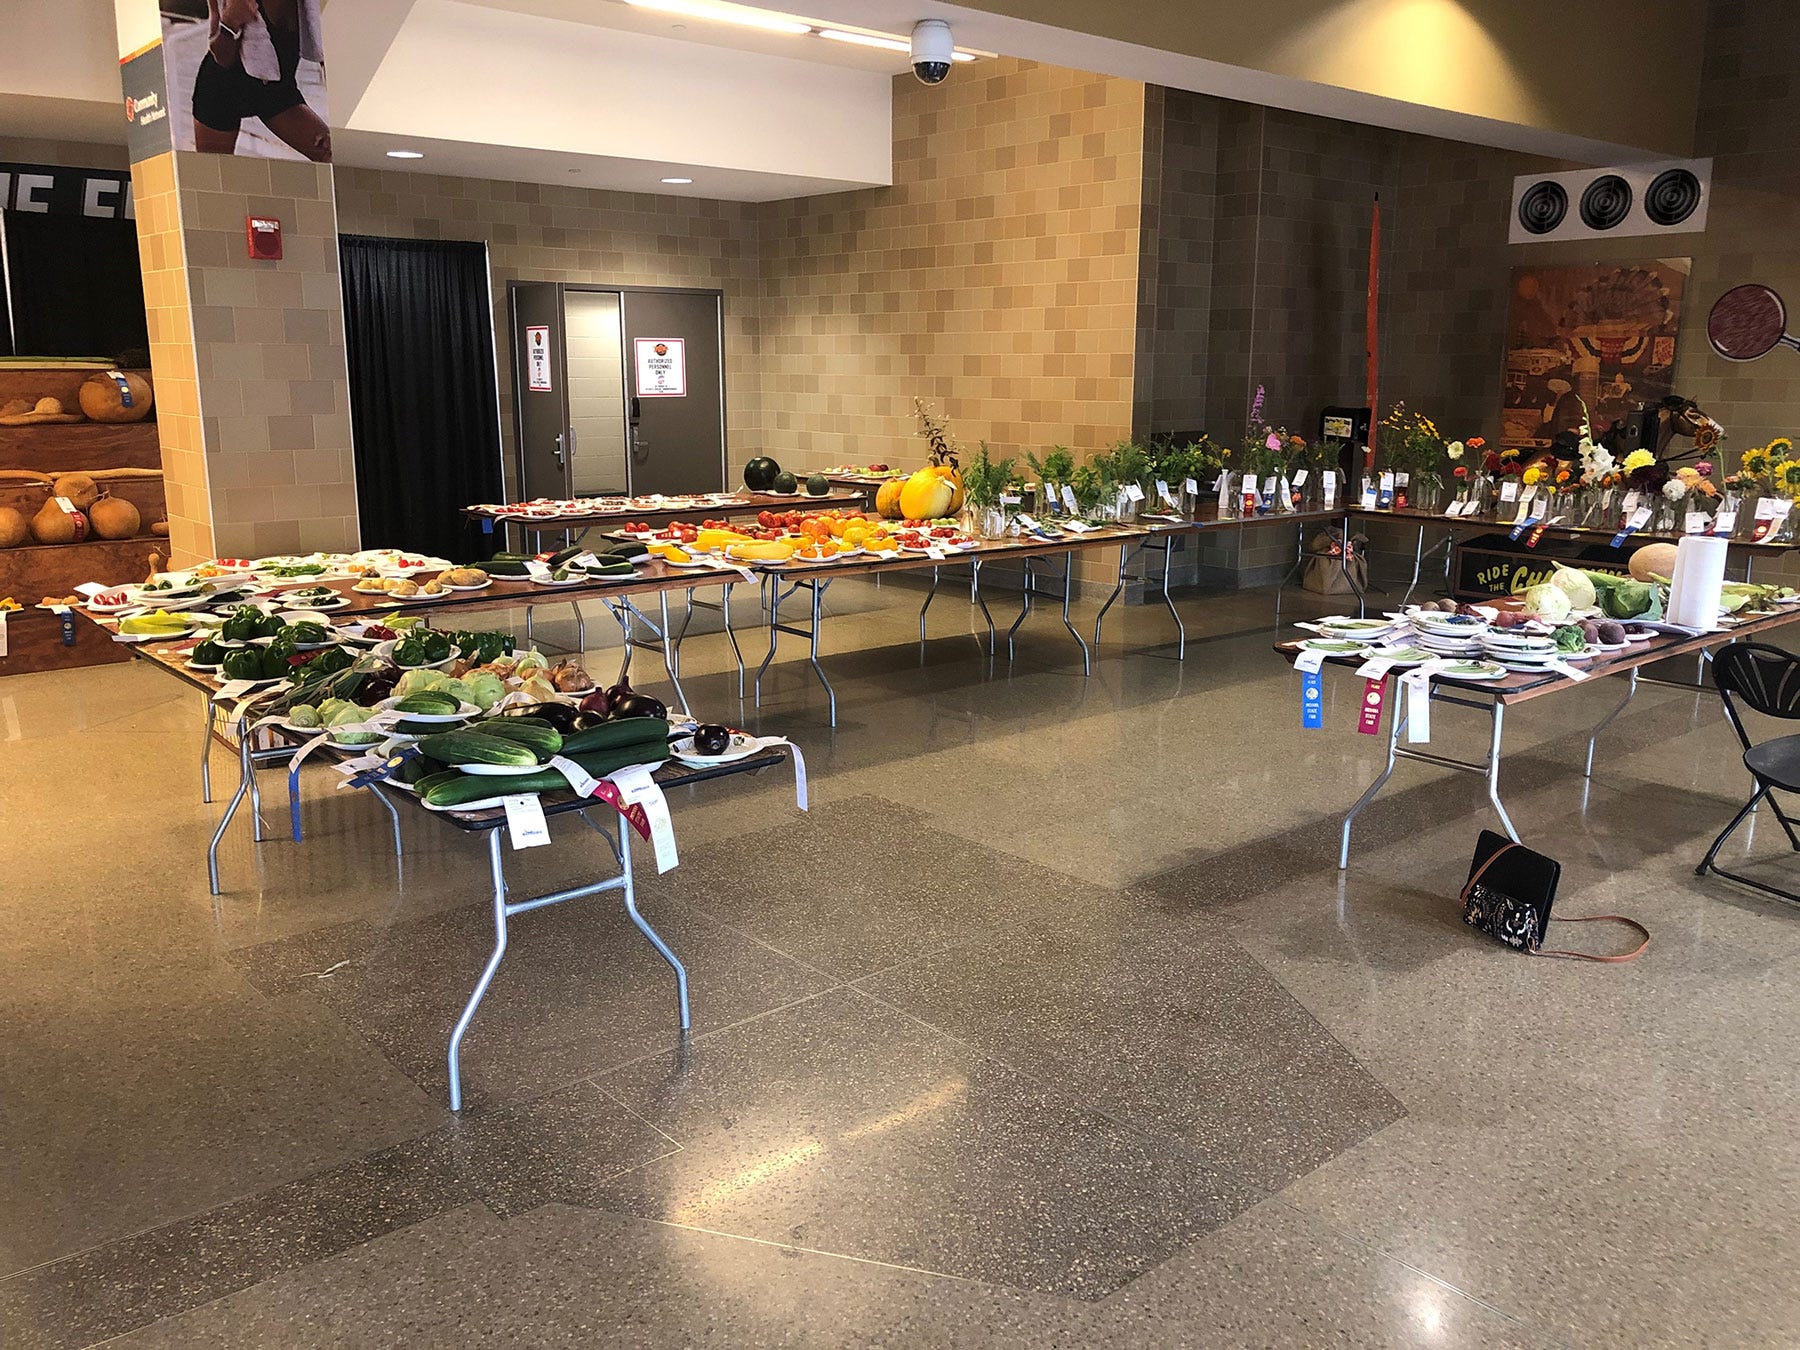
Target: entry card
525,821
1509,490
1697,522
1402,479
638,788
1048,497
1299,477
1192,487
1724,522
1068,496
1368,496
1133,491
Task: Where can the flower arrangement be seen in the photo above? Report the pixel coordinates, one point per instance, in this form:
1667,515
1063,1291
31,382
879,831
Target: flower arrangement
1408,442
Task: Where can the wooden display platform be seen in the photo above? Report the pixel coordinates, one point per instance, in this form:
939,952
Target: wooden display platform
34,642
34,571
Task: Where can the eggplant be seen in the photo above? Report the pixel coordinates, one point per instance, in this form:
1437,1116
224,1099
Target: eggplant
562,716
627,702
712,739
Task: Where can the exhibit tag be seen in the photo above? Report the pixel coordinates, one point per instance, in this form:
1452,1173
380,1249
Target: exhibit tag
1386,498
1724,522
525,821
1417,684
638,788
1697,522
1068,496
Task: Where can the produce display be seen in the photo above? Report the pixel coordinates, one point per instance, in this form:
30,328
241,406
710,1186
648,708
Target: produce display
780,537
567,508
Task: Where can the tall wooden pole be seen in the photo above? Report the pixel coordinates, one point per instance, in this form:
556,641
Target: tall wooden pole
1372,369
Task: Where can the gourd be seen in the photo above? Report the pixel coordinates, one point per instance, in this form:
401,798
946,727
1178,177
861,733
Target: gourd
53,525
114,518
13,529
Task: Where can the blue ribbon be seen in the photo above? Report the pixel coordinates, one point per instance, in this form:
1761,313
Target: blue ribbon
1312,699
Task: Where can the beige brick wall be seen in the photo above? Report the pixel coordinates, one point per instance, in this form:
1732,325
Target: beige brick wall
539,233
269,351
997,278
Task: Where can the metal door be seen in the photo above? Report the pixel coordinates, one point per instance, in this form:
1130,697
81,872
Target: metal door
540,390
676,390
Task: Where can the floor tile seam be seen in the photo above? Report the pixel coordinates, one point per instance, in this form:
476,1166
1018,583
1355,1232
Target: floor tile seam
1058,1089
1012,1291
695,1037
1381,1253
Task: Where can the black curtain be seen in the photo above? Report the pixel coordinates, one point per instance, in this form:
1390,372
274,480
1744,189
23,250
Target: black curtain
75,285
418,326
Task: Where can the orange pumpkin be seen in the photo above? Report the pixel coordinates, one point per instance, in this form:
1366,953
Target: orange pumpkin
887,498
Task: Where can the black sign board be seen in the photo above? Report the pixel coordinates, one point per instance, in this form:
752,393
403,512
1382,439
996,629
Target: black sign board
46,189
1490,565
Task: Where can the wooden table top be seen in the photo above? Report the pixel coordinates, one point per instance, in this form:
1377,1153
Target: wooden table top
743,503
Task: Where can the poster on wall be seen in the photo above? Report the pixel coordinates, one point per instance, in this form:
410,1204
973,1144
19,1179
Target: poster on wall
1599,335
246,77
661,368
537,359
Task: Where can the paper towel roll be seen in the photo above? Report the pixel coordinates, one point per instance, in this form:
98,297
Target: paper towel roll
1698,583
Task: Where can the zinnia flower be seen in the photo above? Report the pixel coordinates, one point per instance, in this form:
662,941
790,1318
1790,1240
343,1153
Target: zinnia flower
1460,471
1639,459
1476,442
1675,489
1454,449
1532,475
1562,476
1704,468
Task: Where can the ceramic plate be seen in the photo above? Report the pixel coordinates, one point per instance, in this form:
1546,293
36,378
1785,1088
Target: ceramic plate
482,587
1335,646
1473,670
464,712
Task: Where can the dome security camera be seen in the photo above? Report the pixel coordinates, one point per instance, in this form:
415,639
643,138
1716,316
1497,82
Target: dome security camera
932,51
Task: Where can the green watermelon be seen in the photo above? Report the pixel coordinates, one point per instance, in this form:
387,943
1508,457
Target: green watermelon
760,473
785,483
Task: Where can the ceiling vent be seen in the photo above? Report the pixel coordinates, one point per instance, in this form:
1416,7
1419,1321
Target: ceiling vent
1668,198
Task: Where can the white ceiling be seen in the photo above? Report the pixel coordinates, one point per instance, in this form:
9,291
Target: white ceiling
402,75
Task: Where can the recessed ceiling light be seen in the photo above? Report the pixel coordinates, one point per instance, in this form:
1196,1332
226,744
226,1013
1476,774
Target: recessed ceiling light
406,154
886,44
741,15
880,41
678,182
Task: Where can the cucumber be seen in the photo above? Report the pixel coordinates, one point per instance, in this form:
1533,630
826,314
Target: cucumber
623,731
602,762
564,558
544,740
468,787
428,703
505,567
411,728
443,776
471,747
418,768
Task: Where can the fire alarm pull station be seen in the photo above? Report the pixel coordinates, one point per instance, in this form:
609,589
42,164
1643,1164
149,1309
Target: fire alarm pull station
265,238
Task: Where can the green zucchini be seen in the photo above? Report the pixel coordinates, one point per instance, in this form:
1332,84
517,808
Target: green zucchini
564,558
619,732
505,567
417,768
602,762
471,747
544,740
428,703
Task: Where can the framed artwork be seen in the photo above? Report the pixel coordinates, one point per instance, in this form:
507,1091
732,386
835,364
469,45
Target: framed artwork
1600,335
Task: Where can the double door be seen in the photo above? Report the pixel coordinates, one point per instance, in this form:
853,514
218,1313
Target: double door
617,390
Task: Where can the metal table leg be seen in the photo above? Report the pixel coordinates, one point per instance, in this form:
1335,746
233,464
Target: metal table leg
810,633
504,911
976,596
1126,553
246,773
206,740
1631,687
930,595
1488,768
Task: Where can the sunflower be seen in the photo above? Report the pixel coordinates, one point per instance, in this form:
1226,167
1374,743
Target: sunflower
1757,462
1787,475
1779,448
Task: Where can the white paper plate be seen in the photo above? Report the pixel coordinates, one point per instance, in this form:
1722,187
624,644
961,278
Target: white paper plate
499,770
742,747
482,587
1474,670
1336,646
464,712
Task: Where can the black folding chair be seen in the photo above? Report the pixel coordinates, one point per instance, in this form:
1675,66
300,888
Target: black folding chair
1767,680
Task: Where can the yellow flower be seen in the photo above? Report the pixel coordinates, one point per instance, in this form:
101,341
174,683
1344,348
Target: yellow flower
1533,475
1639,459
1756,462
1779,448
1787,473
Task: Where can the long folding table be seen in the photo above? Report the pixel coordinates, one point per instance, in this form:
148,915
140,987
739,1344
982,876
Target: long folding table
1493,698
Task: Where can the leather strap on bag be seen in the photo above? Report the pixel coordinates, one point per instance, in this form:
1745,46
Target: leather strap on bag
1631,955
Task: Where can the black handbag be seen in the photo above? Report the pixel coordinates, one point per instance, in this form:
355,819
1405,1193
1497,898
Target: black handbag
1509,893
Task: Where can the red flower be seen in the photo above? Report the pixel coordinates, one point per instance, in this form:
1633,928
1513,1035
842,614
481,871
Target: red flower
1460,471
1475,442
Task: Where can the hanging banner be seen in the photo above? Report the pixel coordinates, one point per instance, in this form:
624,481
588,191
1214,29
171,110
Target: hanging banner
239,77
661,367
537,359
57,190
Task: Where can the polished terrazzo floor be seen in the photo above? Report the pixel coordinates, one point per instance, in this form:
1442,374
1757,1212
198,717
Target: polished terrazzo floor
1053,1022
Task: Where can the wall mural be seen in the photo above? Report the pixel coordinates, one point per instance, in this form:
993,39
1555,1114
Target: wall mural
1595,337
247,77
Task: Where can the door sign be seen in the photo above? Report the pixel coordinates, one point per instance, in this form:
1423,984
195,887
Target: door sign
661,368
537,359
